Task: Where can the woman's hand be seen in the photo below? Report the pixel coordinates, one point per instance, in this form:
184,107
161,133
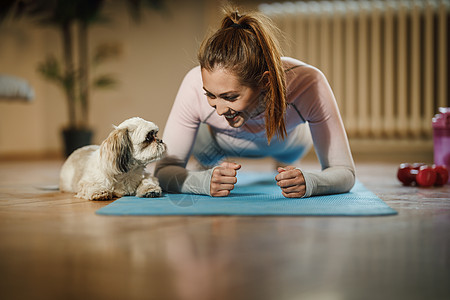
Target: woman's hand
223,179
291,182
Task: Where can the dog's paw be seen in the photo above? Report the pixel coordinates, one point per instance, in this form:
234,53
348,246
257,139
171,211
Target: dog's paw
98,196
150,192
153,194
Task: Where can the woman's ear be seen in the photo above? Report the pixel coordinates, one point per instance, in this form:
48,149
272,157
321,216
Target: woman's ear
116,150
265,80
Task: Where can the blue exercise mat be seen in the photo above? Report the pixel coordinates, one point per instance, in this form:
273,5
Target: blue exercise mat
255,194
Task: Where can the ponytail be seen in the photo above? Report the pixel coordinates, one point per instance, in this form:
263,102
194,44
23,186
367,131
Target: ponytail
247,45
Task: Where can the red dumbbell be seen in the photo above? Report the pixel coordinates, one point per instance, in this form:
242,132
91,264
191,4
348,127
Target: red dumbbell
422,174
404,174
416,166
426,176
441,174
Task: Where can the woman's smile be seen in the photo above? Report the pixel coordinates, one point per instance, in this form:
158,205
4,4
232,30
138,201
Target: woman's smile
232,100
232,118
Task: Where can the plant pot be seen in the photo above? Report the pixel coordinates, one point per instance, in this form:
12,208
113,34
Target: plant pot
76,138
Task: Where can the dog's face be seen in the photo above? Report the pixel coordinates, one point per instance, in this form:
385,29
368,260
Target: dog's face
133,142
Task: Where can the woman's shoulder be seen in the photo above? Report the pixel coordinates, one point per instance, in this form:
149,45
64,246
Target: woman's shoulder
190,102
301,77
191,88
306,86
194,75
289,62
298,67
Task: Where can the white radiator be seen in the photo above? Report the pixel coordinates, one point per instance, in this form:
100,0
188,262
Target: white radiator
387,61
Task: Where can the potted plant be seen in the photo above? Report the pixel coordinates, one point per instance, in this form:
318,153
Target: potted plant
69,17
77,87
73,20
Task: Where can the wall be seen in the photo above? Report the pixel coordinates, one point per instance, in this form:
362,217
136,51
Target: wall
156,54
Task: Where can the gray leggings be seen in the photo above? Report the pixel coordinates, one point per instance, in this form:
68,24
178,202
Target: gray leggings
208,152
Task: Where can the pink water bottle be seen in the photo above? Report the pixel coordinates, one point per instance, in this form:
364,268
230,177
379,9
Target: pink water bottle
441,137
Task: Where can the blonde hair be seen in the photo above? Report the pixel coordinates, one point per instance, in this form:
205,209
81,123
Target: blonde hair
247,45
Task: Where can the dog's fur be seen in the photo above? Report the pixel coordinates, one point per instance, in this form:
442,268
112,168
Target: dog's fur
116,168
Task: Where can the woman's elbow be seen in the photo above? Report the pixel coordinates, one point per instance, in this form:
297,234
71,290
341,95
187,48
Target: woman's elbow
350,178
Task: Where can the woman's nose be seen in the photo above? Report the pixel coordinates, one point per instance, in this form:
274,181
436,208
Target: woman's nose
221,108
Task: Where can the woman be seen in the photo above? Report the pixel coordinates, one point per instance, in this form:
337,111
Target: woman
246,100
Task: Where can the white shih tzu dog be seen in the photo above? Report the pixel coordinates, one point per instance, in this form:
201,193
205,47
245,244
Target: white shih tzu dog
116,168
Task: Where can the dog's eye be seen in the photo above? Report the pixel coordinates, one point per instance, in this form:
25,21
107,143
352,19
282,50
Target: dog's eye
150,136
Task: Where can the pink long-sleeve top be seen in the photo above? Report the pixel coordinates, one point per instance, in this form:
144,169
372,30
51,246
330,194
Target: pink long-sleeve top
310,99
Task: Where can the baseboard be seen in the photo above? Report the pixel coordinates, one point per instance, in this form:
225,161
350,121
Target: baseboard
393,150
30,156
362,149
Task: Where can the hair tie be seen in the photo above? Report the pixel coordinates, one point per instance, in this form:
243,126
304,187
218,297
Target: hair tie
240,26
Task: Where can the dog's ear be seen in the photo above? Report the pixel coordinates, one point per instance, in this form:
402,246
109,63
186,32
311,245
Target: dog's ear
116,151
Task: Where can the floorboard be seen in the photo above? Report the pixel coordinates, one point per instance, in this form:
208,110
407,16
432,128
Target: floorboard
53,246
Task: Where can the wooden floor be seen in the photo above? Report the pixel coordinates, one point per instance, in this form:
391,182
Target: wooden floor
54,246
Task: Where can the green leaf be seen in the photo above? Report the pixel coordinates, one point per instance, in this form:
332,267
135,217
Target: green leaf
68,81
50,69
105,81
135,7
106,51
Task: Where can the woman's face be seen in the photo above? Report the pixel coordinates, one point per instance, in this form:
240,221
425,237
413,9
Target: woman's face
232,100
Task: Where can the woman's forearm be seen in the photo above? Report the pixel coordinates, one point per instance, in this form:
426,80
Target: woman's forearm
174,178
333,180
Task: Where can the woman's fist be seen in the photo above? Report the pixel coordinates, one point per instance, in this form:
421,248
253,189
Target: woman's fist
223,179
291,182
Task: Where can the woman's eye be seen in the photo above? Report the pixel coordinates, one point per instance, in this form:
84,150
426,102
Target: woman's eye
230,98
210,95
